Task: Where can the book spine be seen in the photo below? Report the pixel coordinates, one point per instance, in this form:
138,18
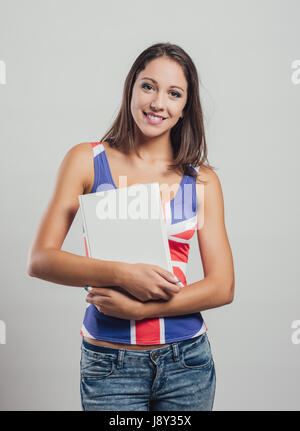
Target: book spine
165,235
85,233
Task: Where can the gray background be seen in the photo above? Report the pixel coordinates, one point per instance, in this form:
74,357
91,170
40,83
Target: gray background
66,62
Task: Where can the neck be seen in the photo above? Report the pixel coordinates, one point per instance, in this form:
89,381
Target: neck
151,150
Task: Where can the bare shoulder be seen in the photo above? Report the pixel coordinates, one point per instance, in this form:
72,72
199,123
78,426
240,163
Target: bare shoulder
208,182
207,174
83,149
82,157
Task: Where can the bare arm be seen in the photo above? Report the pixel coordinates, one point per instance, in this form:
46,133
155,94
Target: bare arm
217,287
46,260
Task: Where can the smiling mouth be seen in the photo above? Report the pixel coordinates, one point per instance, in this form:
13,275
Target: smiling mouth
153,116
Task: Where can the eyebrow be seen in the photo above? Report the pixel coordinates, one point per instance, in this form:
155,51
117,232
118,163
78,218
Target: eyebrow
155,82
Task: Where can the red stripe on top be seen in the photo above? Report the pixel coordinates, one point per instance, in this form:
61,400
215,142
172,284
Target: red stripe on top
85,246
147,329
180,274
187,234
179,251
94,144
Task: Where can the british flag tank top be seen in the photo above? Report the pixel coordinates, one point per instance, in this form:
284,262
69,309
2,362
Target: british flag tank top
99,326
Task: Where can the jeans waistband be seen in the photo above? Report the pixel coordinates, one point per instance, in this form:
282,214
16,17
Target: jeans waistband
173,345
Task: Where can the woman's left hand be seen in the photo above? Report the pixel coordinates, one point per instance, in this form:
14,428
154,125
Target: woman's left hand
115,303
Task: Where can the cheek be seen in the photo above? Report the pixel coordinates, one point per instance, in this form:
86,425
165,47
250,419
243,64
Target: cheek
136,106
139,101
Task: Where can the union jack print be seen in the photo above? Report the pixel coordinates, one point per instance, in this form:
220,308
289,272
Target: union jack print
180,215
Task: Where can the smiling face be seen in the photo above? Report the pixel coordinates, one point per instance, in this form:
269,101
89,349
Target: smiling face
161,88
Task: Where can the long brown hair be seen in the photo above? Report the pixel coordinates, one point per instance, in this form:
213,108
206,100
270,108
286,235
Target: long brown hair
188,135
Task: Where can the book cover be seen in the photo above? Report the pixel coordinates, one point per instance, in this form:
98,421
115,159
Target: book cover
126,225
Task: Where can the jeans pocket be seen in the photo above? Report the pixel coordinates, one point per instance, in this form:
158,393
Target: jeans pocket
198,355
96,365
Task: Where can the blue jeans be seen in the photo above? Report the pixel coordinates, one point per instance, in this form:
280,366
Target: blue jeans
180,376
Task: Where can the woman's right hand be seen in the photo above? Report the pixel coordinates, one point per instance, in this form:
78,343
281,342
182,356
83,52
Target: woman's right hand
149,282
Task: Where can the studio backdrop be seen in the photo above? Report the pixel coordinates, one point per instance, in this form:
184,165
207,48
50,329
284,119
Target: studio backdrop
62,70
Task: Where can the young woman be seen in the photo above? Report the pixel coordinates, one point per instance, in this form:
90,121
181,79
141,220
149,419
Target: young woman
145,345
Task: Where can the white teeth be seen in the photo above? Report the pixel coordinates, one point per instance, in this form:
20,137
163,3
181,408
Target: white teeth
154,118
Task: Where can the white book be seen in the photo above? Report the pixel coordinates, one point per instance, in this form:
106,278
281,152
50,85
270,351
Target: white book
126,225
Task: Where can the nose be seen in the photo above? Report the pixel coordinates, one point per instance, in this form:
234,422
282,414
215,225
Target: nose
158,101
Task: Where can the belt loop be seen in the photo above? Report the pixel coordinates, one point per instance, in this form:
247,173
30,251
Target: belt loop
175,351
121,353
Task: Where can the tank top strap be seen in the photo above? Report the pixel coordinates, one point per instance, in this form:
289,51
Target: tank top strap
102,178
194,190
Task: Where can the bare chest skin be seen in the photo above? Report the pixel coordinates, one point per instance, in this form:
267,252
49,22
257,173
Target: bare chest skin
137,172
140,172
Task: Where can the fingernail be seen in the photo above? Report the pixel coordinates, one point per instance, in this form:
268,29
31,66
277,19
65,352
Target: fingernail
88,288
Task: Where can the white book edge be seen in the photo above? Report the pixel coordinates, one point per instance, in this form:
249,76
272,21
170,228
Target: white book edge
84,226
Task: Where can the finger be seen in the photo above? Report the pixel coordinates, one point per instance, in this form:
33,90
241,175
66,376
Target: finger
170,291
169,295
93,300
179,283
168,276
162,295
170,287
97,290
